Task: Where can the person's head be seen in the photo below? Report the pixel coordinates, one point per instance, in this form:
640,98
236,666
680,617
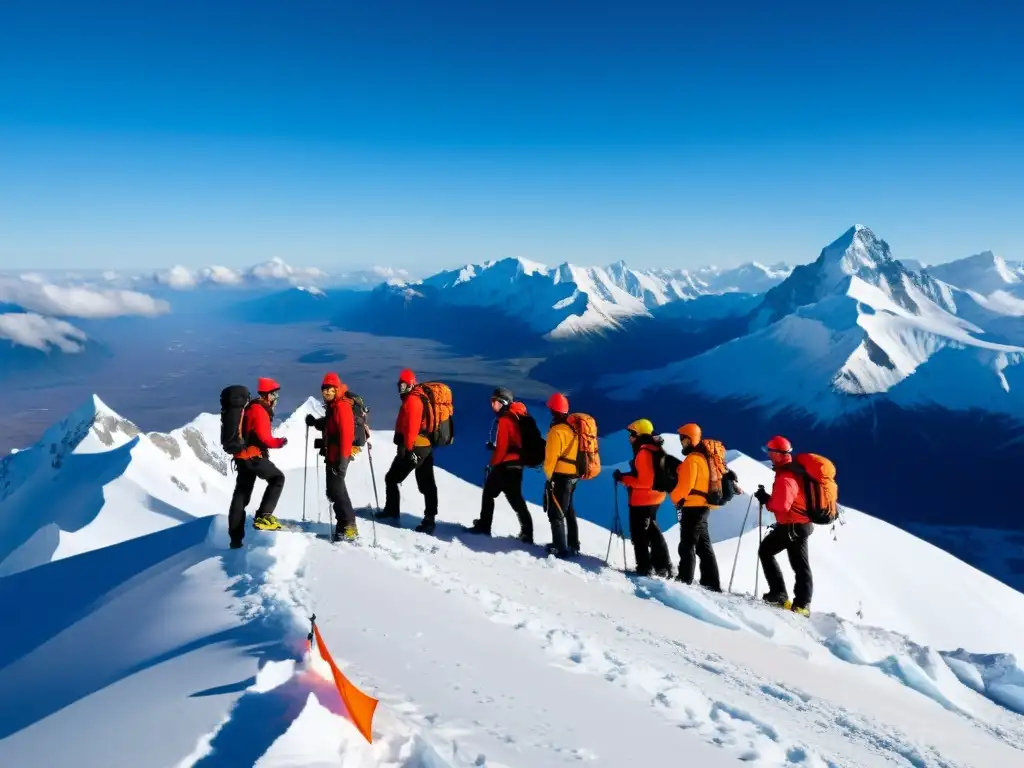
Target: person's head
331,387
406,382
638,428
779,450
689,437
501,398
558,404
268,390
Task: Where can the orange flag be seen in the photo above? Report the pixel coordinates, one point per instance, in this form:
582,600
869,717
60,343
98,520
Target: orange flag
360,706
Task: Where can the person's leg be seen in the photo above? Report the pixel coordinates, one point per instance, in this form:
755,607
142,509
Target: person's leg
687,543
266,470
400,469
556,515
800,562
660,558
639,520
571,524
344,514
706,552
244,482
513,489
493,486
775,542
428,487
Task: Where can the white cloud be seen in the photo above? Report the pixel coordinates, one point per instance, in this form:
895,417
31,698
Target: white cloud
76,301
276,270
220,275
177,277
42,333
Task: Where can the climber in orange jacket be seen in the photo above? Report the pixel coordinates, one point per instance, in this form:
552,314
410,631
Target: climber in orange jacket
649,547
790,534
414,454
690,497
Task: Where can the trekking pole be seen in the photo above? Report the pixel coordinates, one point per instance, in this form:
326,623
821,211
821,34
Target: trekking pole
317,475
612,527
376,499
743,528
757,565
305,474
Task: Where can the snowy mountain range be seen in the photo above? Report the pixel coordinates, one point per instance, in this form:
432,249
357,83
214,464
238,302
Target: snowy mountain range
566,301
123,604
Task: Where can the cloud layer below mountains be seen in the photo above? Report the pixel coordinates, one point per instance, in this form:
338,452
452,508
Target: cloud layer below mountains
27,329
35,294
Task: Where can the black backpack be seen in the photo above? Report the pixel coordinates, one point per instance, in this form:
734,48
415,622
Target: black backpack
233,402
531,452
360,414
666,467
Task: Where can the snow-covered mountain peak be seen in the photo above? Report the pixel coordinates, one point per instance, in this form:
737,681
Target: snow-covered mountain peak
857,250
983,273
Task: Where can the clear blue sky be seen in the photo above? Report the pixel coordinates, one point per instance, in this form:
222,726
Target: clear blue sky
428,133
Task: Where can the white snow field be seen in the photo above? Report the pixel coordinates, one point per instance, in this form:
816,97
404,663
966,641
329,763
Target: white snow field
134,637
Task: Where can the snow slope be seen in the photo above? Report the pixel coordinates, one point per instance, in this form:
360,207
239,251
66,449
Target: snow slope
483,652
983,273
567,300
856,322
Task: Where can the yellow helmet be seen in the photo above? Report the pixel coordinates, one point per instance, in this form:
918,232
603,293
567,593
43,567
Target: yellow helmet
641,427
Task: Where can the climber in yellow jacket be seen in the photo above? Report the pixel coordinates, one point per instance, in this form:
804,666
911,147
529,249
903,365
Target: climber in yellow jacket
560,471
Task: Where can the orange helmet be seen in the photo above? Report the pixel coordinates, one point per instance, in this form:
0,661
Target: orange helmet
691,431
558,403
779,444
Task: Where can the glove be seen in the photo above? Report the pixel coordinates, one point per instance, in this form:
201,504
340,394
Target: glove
762,495
617,475
310,420
284,441
356,450
414,458
491,446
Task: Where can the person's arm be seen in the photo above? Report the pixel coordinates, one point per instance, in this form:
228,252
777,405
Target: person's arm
345,422
554,448
686,478
502,441
642,474
261,426
412,410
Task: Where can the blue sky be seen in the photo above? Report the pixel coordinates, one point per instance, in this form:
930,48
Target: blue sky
422,134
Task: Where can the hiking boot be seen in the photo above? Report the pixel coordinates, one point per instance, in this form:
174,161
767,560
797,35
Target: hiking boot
350,532
236,544
552,549
803,610
480,527
780,599
427,526
642,571
526,537
665,573
266,523
387,514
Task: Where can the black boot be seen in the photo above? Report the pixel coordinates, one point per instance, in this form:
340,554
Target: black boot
479,526
427,526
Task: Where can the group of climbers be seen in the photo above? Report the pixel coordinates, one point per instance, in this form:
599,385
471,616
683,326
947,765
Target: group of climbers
697,485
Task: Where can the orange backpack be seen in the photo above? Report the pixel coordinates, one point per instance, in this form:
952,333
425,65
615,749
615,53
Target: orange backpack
588,460
820,488
722,481
438,424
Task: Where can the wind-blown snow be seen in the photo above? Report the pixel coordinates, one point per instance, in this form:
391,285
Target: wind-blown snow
164,648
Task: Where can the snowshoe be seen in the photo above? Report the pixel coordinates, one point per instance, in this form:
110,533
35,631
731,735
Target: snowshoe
427,526
267,523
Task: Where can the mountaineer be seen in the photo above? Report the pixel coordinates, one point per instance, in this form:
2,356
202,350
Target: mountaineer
649,545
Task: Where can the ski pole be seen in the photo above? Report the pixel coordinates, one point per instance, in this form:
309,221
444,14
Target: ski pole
611,528
376,499
743,527
317,475
757,565
305,473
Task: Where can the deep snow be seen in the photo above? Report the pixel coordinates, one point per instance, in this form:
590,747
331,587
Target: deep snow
159,646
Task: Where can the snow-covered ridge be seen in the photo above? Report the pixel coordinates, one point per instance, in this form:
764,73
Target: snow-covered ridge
984,273
507,657
568,300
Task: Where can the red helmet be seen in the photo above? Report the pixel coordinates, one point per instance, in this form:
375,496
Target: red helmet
558,403
407,377
331,380
265,386
779,444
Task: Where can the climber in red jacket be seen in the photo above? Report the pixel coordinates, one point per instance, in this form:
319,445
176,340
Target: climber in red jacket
254,462
338,427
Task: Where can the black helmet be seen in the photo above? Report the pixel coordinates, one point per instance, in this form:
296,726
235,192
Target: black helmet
502,395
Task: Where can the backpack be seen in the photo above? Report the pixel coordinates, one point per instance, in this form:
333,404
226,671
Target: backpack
722,481
531,452
666,472
588,459
438,413
820,488
233,402
359,416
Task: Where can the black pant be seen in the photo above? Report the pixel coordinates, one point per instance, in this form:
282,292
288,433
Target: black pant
401,468
565,532
649,545
506,479
248,471
694,542
337,493
793,539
